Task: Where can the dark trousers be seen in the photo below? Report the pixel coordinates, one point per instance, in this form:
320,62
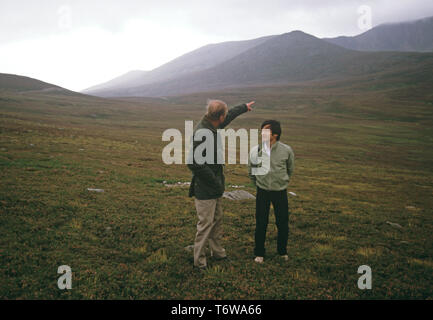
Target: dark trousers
279,201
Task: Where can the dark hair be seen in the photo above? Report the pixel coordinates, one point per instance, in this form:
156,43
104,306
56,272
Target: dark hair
275,127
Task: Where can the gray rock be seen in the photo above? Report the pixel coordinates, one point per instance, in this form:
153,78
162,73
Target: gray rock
95,190
395,225
238,195
177,184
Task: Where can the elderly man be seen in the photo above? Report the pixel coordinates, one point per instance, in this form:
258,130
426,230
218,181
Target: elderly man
208,182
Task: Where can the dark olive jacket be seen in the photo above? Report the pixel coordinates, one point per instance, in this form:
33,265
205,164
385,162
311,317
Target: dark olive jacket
208,180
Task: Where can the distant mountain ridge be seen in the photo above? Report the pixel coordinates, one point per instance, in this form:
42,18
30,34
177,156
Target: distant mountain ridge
410,36
197,60
384,52
290,57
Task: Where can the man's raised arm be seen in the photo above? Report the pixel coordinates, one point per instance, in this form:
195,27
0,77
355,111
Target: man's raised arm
235,112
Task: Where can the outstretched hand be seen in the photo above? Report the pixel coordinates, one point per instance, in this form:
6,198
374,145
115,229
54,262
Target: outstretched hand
249,104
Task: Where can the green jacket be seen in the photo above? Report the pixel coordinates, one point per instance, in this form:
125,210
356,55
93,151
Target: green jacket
282,164
208,180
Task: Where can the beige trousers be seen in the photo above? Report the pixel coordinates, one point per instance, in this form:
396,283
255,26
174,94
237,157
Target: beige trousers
209,229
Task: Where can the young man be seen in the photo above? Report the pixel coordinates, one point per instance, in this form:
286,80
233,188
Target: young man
272,188
208,182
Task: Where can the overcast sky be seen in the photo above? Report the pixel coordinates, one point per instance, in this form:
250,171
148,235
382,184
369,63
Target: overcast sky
80,43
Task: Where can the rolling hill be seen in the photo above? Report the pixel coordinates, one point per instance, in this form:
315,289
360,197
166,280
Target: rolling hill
21,84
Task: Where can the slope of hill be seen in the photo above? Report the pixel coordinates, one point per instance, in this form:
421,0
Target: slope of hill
194,61
20,83
406,36
290,57
122,81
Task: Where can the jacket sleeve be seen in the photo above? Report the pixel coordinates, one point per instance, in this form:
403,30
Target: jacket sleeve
290,163
250,175
233,113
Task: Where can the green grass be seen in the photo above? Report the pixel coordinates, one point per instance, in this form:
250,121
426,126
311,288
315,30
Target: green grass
362,158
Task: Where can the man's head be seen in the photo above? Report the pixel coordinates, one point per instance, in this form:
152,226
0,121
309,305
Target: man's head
216,111
275,127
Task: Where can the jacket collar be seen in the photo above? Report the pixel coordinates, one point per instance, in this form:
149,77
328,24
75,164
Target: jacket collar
207,124
275,145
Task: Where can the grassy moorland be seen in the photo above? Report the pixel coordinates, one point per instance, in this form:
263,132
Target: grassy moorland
363,158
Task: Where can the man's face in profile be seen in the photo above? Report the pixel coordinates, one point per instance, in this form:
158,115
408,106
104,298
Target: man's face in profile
222,118
266,133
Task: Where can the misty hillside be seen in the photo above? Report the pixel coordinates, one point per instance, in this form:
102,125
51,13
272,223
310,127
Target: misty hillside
290,57
406,36
197,60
